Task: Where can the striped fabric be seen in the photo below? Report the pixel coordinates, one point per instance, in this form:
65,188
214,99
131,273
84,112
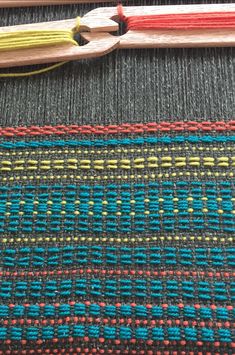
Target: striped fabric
118,239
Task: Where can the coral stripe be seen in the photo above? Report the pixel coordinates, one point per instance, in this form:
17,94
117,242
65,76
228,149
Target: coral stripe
128,321
116,342
178,273
178,126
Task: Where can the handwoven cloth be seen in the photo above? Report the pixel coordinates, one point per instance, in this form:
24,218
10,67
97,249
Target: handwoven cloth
117,239
117,233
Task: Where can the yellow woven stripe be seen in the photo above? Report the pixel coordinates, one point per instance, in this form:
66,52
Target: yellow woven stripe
182,174
143,239
119,202
110,164
105,151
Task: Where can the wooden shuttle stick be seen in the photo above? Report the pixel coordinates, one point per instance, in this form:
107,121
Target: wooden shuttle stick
96,28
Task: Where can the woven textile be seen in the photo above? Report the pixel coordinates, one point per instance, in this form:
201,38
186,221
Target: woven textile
117,239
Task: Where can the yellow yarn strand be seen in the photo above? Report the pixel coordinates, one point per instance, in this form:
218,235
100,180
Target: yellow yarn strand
31,73
36,39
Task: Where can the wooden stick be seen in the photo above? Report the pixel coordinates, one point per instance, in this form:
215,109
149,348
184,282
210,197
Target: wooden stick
172,39
101,45
97,24
111,12
100,21
25,3
169,38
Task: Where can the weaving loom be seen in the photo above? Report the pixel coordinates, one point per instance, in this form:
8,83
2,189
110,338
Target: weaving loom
117,203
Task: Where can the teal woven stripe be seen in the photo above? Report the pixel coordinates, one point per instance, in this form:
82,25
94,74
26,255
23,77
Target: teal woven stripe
179,139
123,310
181,206
122,332
174,289
82,255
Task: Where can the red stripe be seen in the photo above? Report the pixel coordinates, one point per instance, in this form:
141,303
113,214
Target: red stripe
119,321
179,126
218,274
